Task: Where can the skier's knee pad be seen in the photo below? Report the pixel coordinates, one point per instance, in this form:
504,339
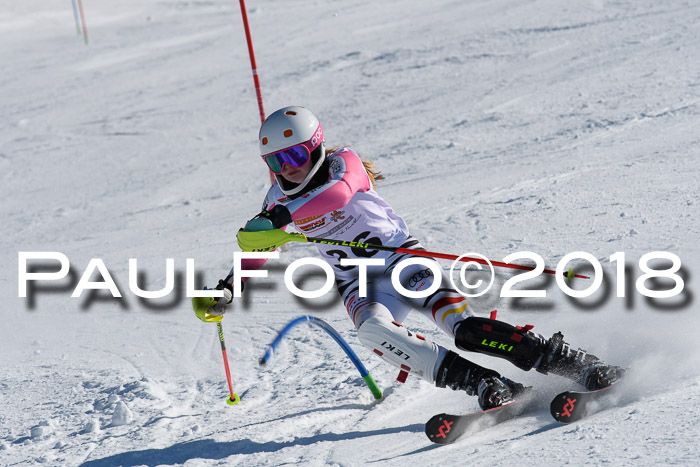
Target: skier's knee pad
519,346
400,347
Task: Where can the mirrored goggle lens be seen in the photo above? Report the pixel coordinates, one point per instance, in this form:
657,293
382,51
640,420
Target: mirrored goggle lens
295,156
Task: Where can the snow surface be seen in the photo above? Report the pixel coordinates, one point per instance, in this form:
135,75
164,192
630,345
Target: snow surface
501,126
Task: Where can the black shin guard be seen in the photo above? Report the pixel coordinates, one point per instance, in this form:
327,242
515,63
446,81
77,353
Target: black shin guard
460,374
519,346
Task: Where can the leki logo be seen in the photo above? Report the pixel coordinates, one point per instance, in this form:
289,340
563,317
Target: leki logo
443,431
394,350
568,407
497,345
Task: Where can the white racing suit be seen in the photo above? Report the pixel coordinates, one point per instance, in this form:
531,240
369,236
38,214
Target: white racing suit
347,208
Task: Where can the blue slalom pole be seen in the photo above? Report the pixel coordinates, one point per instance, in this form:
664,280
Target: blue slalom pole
75,15
376,392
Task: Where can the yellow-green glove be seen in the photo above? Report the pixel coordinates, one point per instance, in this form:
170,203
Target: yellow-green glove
265,240
212,309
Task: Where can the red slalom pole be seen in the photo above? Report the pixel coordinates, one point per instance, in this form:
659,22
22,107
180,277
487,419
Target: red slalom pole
253,65
254,68
467,259
427,254
82,20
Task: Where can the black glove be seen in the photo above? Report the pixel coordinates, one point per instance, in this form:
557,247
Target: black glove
275,218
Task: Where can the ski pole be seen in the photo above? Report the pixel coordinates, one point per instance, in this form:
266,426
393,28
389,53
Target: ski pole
233,398
282,237
433,254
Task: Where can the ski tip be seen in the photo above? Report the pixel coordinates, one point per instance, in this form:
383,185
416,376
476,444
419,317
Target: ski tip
562,407
439,428
572,406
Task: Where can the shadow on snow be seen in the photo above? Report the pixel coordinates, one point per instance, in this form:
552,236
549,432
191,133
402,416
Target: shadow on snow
210,449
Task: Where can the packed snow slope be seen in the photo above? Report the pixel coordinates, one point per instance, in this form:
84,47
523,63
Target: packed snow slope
501,126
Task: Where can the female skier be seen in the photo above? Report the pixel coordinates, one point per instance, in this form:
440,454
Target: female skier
330,194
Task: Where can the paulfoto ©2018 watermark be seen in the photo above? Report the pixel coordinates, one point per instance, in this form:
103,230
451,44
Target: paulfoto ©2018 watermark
466,262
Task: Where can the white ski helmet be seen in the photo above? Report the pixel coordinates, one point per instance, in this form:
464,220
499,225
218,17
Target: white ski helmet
288,127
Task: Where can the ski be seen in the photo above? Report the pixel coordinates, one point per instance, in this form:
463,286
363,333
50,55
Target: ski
446,428
571,406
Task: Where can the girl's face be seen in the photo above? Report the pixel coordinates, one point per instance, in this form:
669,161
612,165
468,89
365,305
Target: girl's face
296,174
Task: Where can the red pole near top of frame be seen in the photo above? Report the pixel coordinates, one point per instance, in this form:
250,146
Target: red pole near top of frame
254,67
82,19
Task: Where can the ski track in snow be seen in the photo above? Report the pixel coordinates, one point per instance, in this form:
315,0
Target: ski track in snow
500,126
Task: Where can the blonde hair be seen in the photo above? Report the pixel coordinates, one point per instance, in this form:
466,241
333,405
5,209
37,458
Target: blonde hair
374,174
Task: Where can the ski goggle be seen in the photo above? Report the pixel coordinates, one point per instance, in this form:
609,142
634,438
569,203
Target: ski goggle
296,156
